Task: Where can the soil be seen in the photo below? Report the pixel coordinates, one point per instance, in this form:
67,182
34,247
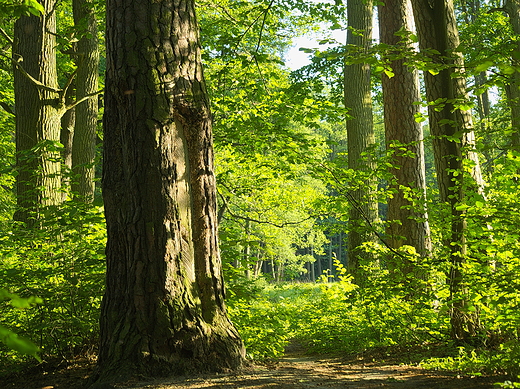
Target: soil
295,370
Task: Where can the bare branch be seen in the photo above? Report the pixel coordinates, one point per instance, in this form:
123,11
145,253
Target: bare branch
354,203
39,84
7,108
86,97
278,225
6,36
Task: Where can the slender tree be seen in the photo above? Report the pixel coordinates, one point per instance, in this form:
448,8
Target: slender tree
512,7
360,131
38,112
86,112
163,310
453,140
407,216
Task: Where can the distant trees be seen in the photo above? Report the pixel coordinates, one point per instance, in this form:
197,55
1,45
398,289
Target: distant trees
42,107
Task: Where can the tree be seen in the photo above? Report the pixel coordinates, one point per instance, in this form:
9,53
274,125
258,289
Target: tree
512,7
39,108
407,216
163,310
360,130
453,140
86,112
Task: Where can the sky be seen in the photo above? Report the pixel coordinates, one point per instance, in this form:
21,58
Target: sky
295,59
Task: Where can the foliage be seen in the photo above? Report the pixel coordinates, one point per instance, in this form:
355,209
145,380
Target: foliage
11,339
480,361
61,262
17,8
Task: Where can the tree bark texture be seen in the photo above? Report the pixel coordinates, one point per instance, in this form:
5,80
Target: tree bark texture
87,61
360,132
67,133
512,8
407,216
451,129
37,112
163,311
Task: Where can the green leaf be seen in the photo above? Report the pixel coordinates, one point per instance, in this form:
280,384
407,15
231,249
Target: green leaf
483,66
16,343
34,7
419,117
389,73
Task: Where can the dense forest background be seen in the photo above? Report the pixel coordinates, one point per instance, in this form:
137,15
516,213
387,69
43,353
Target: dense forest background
319,219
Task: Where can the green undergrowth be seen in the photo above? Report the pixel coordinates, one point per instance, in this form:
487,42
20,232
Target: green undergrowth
60,266
332,317
382,320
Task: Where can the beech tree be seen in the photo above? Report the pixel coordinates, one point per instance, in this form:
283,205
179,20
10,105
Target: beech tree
512,7
163,310
453,140
360,129
86,112
39,108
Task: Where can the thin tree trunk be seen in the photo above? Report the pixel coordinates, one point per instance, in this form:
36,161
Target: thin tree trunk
66,137
313,267
451,129
38,113
84,145
360,133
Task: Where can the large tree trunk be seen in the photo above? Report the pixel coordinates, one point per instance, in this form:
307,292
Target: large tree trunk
163,310
38,112
360,133
87,60
451,129
407,216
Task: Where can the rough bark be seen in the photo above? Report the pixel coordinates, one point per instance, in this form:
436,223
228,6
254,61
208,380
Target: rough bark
87,61
38,113
163,311
360,132
67,134
512,7
407,216
453,139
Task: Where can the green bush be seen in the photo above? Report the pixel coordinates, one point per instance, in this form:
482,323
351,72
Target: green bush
61,262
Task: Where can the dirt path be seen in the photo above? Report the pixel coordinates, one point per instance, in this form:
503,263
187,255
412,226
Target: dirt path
296,370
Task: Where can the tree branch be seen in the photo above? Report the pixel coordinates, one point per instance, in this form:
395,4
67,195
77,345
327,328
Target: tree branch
39,84
282,225
354,203
7,108
6,36
86,97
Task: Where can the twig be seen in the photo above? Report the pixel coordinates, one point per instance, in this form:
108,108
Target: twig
353,202
86,97
6,36
282,225
7,108
39,84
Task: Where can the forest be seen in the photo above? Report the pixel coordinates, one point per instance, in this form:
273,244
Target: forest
366,199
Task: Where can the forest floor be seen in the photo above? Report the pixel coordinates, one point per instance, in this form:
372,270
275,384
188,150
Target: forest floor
295,370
